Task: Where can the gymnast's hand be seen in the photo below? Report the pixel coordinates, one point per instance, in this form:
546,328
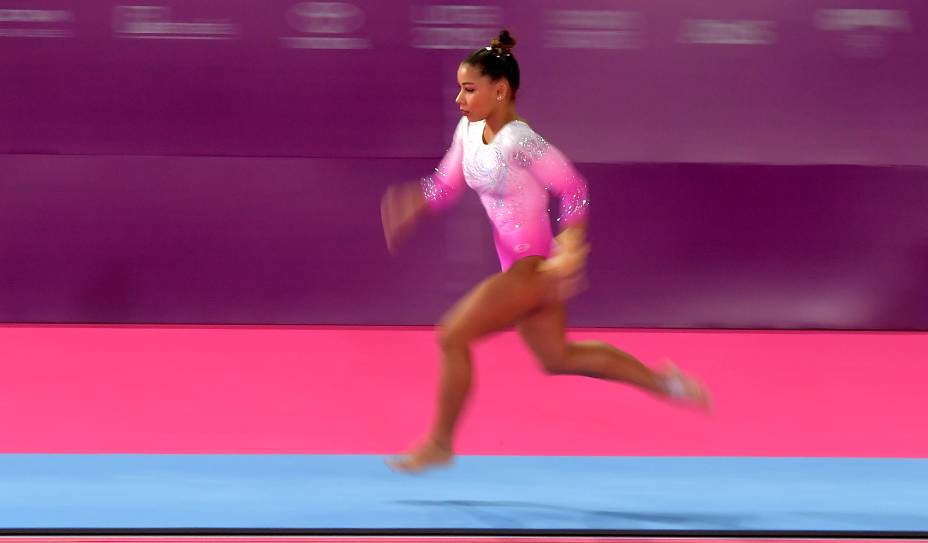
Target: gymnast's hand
400,206
567,264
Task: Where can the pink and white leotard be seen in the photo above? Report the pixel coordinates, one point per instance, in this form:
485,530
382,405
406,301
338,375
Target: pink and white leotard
512,175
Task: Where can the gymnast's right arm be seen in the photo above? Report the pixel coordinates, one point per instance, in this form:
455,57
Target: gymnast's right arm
402,205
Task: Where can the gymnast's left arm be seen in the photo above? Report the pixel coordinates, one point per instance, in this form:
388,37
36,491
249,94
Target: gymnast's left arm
549,165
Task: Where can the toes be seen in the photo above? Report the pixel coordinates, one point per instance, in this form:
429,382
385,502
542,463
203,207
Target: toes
405,465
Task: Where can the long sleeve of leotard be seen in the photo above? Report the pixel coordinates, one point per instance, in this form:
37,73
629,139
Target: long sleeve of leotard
550,167
443,187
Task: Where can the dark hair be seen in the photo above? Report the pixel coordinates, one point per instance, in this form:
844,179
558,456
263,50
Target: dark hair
496,61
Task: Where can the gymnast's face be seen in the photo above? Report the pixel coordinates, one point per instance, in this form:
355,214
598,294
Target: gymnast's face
479,95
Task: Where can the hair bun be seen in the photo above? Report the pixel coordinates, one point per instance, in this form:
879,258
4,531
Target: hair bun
503,44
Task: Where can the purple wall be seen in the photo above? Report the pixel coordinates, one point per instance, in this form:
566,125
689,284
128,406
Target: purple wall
238,240
753,165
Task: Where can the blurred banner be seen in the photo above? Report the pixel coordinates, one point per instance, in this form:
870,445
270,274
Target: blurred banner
767,81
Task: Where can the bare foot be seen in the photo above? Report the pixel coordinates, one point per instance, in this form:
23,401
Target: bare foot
685,389
426,456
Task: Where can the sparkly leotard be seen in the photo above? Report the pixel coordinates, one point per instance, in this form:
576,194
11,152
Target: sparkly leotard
512,174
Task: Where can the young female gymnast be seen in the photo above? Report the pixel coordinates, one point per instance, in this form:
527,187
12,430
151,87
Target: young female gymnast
497,154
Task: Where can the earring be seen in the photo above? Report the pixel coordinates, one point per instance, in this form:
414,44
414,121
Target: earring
499,98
